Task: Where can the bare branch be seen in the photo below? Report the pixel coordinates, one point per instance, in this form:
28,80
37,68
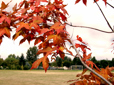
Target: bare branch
104,15
110,5
89,28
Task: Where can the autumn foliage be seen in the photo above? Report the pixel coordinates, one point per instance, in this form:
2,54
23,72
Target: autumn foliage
44,22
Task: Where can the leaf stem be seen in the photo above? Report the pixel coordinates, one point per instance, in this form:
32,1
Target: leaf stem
78,55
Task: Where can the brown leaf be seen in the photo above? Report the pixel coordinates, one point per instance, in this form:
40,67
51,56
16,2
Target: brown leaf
3,5
15,7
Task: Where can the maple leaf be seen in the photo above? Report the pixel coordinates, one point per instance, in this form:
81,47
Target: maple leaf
56,38
90,63
45,63
3,5
7,19
37,19
58,27
5,31
15,7
86,57
44,30
22,25
47,50
16,34
37,63
38,40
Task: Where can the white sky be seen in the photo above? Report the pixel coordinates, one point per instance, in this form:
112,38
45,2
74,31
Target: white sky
79,14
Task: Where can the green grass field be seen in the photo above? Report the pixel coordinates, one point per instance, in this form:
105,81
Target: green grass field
37,77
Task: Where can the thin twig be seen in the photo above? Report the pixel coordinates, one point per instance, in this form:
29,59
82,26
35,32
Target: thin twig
89,28
78,55
104,15
110,5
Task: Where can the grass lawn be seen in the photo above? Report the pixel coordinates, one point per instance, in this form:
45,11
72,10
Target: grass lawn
37,77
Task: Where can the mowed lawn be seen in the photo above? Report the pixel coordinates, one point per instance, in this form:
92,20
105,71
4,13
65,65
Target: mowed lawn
37,77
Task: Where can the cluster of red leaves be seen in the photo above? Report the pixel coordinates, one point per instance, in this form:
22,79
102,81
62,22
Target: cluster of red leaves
33,22
85,58
92,79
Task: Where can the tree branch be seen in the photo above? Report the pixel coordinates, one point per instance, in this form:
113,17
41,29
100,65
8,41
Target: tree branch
104,15
88,28
78,55
110,5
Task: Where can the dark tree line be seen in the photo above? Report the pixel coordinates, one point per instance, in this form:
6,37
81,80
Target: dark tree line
66,62
103,63
22,62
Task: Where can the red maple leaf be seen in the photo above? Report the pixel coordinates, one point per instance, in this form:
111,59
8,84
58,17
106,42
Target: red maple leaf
6,19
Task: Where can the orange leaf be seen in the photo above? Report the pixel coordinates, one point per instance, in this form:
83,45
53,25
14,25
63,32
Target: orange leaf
37,63
61,48
8,20
45,50
56,39
58,27
2,31
45,63
44,30
22,25
14,8
7,32
16,35
90,63
2,19
3,5
37,19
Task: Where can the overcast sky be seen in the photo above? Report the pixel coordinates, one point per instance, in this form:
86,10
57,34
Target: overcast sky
100,43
